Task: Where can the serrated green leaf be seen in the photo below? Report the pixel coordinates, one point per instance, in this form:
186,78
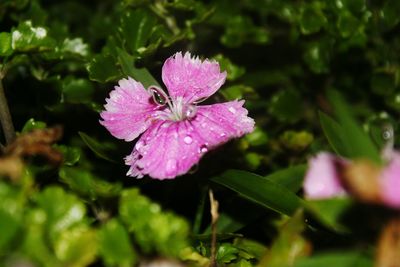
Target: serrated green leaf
27,38
103,68
260,190
75,46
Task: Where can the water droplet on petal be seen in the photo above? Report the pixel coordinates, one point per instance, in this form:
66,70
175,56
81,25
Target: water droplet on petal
171,166
188,140
232,110
159,96
203,149
222,135
191,111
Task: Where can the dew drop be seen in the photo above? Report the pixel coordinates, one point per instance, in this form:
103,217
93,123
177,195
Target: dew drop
232,110
158,95
387,132
203,149
188,139
222,135
191,111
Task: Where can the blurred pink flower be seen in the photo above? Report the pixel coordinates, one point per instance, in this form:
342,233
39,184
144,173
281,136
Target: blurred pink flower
390,182
322,178
176,131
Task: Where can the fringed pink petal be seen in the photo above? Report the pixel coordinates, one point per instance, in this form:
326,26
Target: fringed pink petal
191,78
164,151
128,111
218,123
169,149
322,180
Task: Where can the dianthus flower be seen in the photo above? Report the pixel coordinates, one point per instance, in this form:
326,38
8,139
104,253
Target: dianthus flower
331,176
175,132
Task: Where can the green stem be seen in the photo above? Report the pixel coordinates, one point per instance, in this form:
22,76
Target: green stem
5,117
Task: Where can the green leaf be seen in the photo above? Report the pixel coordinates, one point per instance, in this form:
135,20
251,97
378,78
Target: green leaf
71,155
254,249
335,135
5,44
342,259
347,24
84,182
75,46
226,253
139,74
96,147
136,28
27,38
102,68
76,90
10,214
76,247
329,211
62,210
296,141
291,177
257,137
114,245
154,230
312,19
353,136
32,124
287,105
318,55
233,71
260,190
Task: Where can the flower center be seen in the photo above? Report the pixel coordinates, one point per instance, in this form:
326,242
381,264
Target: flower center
177,109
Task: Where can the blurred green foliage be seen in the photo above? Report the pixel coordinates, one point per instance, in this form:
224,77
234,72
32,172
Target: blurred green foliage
60,59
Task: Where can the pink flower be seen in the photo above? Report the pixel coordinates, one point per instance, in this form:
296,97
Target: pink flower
390,182
174,131
322,178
